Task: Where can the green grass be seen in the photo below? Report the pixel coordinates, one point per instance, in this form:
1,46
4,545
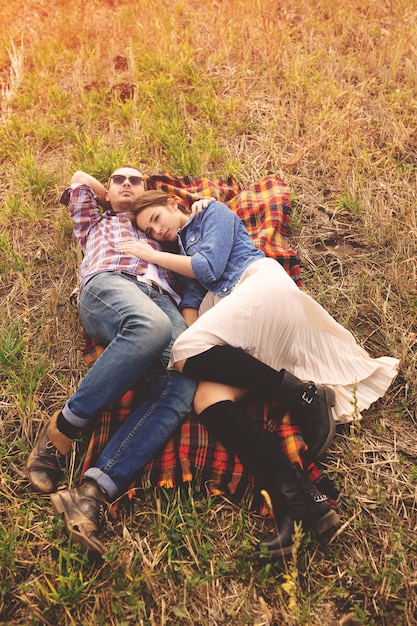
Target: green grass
322,94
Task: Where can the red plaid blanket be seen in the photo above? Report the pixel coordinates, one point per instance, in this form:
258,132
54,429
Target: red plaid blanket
192,455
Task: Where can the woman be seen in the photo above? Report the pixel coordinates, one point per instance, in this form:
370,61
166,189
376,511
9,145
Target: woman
251,328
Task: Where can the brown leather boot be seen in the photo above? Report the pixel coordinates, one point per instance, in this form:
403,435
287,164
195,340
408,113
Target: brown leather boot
83,509
43,464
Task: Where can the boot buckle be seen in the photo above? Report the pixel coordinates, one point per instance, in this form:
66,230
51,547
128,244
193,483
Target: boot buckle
319,497
309,393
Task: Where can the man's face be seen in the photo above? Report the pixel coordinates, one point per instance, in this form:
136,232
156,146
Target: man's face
125,186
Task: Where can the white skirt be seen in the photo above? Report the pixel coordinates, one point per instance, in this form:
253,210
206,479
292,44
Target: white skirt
269,317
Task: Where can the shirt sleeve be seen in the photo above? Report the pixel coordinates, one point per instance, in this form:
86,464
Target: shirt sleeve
83,210
218,225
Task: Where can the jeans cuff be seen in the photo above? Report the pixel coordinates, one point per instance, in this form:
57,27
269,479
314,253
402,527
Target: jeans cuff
73,419
104,481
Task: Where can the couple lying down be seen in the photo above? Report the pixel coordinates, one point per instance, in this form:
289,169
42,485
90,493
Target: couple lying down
249,329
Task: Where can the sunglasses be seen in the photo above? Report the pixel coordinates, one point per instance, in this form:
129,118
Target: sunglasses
119,179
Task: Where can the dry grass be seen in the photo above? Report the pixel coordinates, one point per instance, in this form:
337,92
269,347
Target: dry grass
325,95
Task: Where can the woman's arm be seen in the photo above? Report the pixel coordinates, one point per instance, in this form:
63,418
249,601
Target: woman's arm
212,249
173,262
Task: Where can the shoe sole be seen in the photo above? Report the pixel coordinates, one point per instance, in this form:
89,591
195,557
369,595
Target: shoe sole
58,505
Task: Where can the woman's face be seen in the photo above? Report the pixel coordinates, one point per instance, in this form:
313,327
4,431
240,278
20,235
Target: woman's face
160,222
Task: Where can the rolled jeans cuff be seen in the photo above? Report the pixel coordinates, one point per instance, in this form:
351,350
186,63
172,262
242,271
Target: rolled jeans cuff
94,473
73,419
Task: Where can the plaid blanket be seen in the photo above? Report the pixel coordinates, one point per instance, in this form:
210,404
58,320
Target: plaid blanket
192,455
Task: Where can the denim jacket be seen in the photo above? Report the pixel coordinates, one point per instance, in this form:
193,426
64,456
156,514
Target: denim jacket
221,250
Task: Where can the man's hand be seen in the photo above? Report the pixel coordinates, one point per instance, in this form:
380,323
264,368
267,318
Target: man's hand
201,204
142,250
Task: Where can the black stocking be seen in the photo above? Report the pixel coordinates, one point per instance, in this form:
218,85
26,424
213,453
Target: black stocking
234,367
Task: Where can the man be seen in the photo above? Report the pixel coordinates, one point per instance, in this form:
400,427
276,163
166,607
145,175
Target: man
129,307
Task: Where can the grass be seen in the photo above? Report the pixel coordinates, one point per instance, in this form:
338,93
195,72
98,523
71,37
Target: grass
322,94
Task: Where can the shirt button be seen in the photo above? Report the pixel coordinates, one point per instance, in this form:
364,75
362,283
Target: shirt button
192,238
224,289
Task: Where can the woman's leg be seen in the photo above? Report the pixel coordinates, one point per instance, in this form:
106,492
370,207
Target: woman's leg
292,498
309,404
209,393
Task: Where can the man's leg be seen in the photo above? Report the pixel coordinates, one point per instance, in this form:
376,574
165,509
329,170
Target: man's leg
144,432
119,314
136,328
132,446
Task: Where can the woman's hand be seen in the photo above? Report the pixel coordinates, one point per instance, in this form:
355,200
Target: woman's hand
201,204
142,250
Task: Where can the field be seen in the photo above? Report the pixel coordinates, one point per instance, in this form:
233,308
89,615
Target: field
322,93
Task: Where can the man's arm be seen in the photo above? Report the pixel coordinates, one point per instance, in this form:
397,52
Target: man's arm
81,178
190,315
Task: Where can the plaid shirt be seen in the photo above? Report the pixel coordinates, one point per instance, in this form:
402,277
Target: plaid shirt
99,233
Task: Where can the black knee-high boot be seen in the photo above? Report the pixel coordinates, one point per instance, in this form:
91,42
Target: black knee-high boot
241,434
309,404
293,499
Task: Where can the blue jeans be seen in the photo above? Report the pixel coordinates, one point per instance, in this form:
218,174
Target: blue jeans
138,326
